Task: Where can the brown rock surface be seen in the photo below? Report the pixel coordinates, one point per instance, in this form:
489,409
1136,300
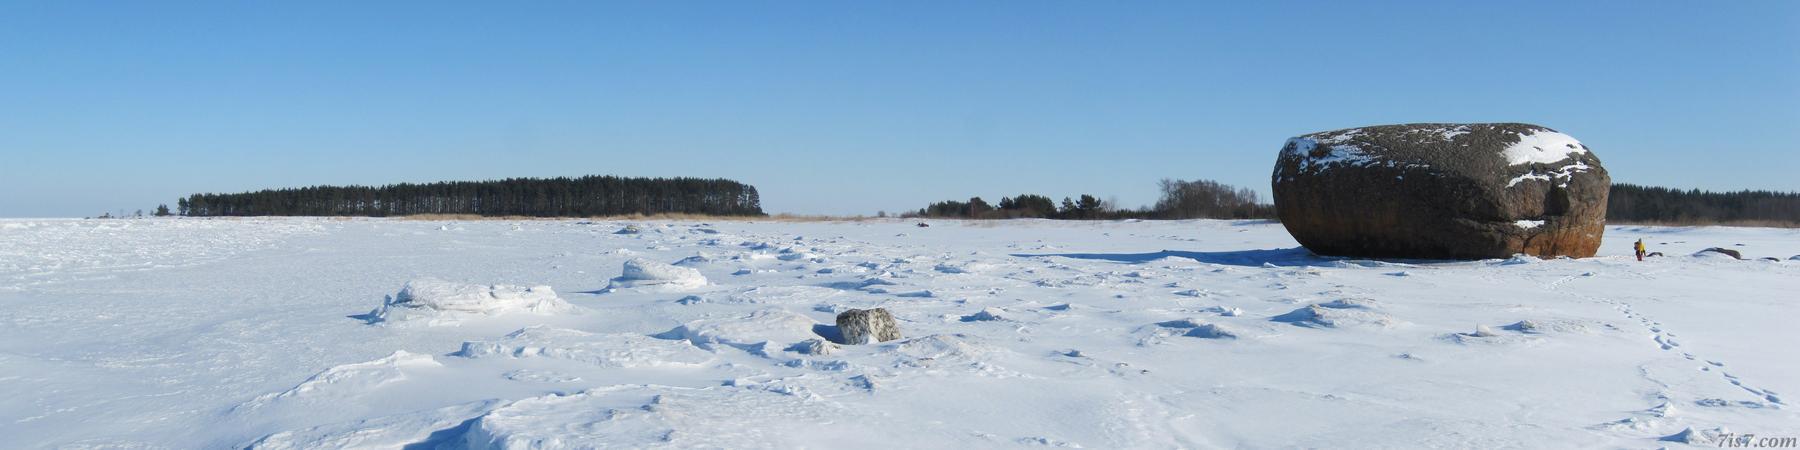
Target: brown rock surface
1442,191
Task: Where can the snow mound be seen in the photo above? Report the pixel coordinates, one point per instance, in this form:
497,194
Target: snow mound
1160,332
1337,313
762,332
784,295
699,259
941,351
640,272
1227,311
397,431
440,302
540,376
963,267
1692,436
349,380
1549,326
793,254
986,314
643,416
1211,331
1631,424
1486,335
620,350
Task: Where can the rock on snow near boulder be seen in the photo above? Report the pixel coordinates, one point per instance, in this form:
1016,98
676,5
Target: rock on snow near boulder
866,326
1442,191
1734,254
640,272
440,302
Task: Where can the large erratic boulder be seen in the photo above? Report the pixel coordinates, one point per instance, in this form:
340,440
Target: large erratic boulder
1442,191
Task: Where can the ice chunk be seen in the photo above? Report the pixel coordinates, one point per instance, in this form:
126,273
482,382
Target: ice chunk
640,272
442,302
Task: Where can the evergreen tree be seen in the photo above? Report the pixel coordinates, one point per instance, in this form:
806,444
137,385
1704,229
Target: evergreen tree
554,197
1634,203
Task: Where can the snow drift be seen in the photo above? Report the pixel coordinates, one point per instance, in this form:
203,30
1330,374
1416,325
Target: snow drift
640,272
439,302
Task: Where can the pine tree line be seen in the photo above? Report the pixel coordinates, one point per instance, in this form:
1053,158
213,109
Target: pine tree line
1181,199
552,197
1633,203
1025,206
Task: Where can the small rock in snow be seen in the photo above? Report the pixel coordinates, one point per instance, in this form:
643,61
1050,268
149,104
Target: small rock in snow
864,326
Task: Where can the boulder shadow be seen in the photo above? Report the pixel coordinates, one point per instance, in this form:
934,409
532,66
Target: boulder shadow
829,332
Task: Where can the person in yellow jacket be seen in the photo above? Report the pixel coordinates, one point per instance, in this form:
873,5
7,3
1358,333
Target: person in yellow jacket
1640,249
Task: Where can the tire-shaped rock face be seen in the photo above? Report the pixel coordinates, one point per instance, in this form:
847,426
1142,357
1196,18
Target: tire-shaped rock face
1442,191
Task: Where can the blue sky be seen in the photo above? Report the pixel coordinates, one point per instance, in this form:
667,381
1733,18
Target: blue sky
855,107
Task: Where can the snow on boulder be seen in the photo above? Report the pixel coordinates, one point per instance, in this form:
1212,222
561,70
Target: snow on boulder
617,350
865,326
440,302
1442,191
640,272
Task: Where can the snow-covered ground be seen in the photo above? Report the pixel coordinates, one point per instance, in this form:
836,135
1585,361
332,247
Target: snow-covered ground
295,333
